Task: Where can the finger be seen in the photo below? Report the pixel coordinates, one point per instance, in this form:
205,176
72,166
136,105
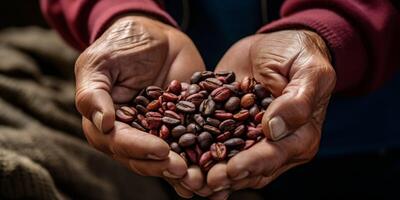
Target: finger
125,141
221,195
311,83
174,167
204,192
217,178
194,179
181,191
93,98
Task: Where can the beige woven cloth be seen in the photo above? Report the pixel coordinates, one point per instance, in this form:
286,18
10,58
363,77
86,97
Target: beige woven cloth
42,153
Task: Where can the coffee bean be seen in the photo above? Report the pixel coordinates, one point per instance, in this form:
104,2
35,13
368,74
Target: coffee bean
253,133
258,117
141,109
175,147
239,131
224,136
207,107
175,87
170,121
164,132
193,89
185,107
153,105
137,126
213,122
126,114
154,122
228,76
247,84
170,106
207,74
227,125
172,114
218,151
191,154
206,161
232,104
220,94
178,131
241,115
212,129
193,128
196,77
169,97
260,91
196,99
154,92
210,84
265,102
205,140
222,115
254,110
184,86
153,114
199,119
187,139
234,143
248,100
232,153
141,100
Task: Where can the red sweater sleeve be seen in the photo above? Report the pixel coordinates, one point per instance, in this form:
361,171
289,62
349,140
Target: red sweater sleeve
80,22
363,36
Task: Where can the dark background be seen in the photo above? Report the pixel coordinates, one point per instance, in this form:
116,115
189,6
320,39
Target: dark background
359,155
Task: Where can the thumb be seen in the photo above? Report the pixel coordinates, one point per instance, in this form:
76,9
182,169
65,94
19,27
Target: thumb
93,101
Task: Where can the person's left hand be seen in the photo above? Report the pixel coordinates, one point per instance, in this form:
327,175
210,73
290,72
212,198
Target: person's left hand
295,66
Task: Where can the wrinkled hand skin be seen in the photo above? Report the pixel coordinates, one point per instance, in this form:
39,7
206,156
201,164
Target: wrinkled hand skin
134,52
295,66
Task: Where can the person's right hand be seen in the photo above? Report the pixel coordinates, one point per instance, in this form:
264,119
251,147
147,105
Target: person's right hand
134,52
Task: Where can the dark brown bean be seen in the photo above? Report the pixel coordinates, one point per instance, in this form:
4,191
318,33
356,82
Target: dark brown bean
247,84
241,115
153,114
228,76
196,99
154,92
207,107
199,119
178,131
164,132
232,104
193,128
220,94
196,77
258,117
185,107
137,126
170,106
169,97
206,161
141,100
126,114
227,125
222,115
253,133
260,91
239,130
153,122
213,122
187,140
234,143
175,87
172,114
205,140
210,84
175,147
141,109
170,121
193,89
212,129
191,154
153,105
218,151
248,100
266,101
254,110
224,136
207,74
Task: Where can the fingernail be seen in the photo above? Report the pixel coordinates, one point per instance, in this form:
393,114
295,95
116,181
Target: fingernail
277,128
224,187
169,175
242,175
185,186
98,120
153,157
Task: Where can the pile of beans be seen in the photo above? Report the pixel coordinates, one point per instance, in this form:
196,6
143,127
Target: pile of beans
209,120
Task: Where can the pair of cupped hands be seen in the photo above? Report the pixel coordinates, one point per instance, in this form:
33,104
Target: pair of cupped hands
137,51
